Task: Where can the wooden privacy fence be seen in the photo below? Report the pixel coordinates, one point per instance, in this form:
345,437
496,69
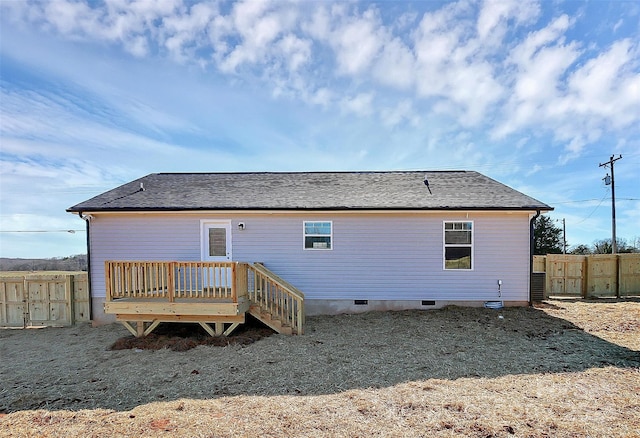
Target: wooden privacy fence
43,298
593,275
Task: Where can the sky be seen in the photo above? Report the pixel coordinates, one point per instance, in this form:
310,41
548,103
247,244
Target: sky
94,94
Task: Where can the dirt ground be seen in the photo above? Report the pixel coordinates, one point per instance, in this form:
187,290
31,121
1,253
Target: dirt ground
565,368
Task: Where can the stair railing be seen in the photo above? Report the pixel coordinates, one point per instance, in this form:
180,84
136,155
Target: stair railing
275,296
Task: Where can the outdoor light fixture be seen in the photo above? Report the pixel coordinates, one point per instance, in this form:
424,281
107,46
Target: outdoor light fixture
241,226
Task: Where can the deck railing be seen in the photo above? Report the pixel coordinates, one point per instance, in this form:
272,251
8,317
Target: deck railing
276,296
175,280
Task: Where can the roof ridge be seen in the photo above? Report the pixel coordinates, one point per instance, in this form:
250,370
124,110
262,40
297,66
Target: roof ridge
299,172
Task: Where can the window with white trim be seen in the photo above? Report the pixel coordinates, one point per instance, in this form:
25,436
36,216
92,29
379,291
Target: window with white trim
318,234
458,245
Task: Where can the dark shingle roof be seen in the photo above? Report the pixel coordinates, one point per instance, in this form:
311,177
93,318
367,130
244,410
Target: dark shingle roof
451,190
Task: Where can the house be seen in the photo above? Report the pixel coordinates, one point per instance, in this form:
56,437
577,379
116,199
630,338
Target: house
292,243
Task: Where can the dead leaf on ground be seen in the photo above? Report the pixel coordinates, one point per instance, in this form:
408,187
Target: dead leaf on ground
161,424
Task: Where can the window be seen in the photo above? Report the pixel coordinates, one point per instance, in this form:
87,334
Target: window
217,242
317,235
458,245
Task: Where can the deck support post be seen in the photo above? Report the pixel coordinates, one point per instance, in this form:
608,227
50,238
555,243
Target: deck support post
140,329
219,328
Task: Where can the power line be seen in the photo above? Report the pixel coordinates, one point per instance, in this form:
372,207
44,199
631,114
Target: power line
593,211
594,199
42,231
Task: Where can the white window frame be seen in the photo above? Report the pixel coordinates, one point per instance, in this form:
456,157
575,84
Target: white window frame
446,245
305,235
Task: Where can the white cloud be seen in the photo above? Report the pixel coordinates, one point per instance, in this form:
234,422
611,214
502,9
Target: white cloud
495,16
182,33
360,104
257,27
318,24
296,51
357,41
533,170
282,42
322,97
395,66
551,34
538,84
539,77
403,111
541,61
70,17
603,87
451,65
558,88
125,22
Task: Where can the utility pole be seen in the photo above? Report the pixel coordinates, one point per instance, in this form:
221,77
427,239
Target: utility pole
611,181
564,236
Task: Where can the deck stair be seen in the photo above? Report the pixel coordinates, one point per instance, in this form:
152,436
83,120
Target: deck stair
269,320
274,301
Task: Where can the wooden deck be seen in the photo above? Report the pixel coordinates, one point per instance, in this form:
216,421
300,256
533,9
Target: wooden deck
143,294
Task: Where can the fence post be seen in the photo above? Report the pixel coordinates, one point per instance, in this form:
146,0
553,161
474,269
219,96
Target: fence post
585,276
547,277
25,302
69,296
617,273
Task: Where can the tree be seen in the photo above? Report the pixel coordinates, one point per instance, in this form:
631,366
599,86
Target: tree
581,249
603,246
546,236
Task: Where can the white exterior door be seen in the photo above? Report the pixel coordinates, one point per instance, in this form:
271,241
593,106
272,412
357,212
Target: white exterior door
216,241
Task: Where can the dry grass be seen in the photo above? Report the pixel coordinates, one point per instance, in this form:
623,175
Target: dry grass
609,319
563,369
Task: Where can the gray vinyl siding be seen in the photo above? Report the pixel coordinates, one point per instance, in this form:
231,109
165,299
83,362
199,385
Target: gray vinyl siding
374,256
